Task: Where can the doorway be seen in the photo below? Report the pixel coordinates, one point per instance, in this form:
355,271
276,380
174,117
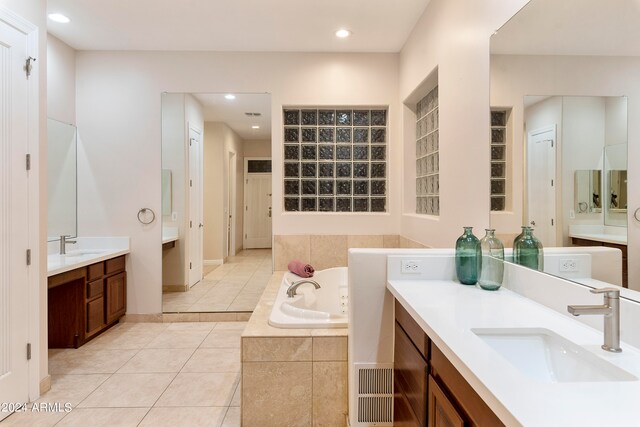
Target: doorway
541,180
257,203
195,206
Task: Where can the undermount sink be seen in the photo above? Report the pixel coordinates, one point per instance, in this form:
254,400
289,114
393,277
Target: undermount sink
545,356
83,252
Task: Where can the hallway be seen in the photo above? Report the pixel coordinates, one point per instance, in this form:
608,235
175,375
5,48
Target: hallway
234,286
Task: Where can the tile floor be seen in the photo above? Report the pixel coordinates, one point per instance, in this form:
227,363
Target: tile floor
146,374
234,286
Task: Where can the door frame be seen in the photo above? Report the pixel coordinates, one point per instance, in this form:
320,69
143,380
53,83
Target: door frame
232,200
244,202
36,272
199,197
556,184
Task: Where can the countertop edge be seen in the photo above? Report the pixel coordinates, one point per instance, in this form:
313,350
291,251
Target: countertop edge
599,238
88,261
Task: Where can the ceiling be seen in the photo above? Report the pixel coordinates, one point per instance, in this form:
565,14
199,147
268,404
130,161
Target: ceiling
572,27
232,112
236,25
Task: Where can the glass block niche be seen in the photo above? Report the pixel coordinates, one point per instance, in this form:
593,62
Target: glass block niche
427,155
335,159
499,159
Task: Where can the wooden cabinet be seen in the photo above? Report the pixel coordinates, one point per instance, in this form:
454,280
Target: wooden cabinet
575,241
429,390
85,302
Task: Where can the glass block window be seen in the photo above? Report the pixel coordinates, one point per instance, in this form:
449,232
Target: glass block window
427,155
335,159
499,158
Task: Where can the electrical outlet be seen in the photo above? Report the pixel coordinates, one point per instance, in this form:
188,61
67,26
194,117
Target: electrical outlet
572,214
174,216
411,266
568,265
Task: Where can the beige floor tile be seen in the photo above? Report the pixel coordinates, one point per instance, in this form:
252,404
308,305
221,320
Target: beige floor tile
128,391
189,389
235,401
204,307
101,361
125,338
245,302
192,326
176,308
72,389
239,326
184,417
214,360
104,417
232,418
32,419
178,339
157,360
222,338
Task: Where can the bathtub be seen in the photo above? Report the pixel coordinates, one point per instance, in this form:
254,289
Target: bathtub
326,307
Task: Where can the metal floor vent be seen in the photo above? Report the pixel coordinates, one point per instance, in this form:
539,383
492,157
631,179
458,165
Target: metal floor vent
374,385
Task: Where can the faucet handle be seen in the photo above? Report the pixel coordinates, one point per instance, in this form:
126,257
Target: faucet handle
610,292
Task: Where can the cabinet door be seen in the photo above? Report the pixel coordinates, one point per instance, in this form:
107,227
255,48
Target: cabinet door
411,375
441,411
95,316
116,295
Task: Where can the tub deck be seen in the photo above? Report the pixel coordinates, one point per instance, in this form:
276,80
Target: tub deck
292,376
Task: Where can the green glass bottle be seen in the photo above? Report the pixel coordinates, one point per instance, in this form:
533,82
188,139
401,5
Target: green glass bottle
492,264
526,250
467,257
540,252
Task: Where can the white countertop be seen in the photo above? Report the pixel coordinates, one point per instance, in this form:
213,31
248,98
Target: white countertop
169,234
601,237
87,251
447,311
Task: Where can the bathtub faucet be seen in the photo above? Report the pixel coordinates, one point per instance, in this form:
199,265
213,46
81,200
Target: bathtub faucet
291,292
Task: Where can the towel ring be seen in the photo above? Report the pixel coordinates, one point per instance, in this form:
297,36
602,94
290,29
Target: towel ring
144,211
635,215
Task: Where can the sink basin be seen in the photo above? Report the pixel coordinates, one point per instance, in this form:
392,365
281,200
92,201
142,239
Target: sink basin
545,356
83,252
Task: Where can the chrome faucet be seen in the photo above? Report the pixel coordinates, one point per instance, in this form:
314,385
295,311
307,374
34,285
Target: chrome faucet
611,311
291,291
63,243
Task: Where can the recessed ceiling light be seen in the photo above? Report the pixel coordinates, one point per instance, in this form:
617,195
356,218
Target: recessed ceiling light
58,17
230,96
255,127
342,33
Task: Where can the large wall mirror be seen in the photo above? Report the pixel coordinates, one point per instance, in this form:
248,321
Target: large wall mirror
564,75
216,201
61,180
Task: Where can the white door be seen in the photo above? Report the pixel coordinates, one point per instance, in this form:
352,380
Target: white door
195,206
14,214
541,179
257,206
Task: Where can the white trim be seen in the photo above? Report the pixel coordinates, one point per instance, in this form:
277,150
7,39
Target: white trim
212,262
33,147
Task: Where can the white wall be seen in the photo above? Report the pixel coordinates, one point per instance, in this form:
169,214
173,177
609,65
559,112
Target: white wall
61,81
118,110
453,35
213,248
257,148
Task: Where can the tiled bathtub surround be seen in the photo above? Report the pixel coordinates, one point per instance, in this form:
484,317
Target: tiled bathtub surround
292,376
326,251
335,159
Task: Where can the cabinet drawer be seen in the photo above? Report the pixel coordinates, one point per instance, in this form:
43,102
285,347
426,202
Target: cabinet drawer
95,288
95,271
462,395
413,330
411,374
114,265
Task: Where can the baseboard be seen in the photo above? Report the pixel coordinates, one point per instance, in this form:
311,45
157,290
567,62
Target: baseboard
175,288
45,384
212,262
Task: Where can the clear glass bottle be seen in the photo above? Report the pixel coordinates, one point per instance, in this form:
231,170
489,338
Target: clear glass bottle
492,264
467,257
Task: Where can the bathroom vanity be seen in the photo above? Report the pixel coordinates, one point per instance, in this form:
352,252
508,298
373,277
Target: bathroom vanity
87,294
468,357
